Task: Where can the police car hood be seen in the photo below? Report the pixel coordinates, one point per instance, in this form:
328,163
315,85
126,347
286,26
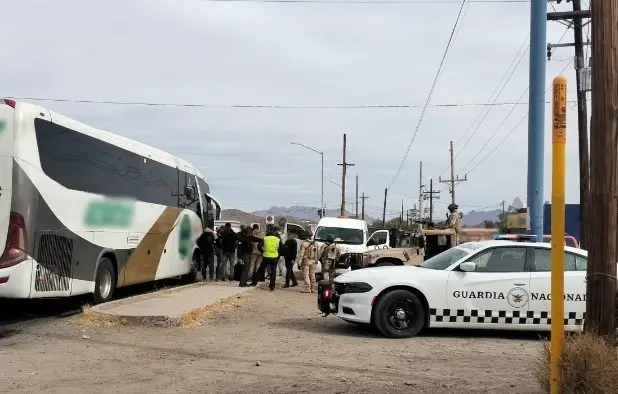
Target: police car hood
405,275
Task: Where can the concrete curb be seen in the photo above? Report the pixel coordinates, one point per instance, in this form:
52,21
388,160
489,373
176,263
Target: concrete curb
101,308
161,320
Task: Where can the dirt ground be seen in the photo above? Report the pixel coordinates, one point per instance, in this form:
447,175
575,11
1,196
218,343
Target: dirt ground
297,350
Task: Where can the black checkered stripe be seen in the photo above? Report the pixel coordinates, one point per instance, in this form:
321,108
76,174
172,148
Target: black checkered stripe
500,317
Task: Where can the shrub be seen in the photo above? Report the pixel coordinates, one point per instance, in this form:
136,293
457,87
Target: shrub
589,365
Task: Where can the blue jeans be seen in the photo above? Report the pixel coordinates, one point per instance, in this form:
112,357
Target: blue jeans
208,262
228,260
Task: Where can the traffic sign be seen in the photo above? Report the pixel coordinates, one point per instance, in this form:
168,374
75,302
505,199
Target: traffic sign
270,219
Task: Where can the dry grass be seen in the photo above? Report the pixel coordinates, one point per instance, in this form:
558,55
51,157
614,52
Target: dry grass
97,319
589,365
197,316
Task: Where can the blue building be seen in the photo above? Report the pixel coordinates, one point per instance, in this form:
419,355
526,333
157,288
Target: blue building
571,222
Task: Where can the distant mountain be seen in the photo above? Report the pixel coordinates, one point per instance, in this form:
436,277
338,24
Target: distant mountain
475,218
302,213
248,218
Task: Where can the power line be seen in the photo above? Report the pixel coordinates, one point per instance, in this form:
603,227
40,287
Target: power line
510,71
433,86
367,1
260,106
514,128
504,120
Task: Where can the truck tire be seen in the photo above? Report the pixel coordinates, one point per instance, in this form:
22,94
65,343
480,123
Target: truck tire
399,314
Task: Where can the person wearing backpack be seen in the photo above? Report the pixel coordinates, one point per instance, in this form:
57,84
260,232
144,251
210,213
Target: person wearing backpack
307,259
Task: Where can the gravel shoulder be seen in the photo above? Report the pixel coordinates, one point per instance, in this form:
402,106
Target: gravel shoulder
297,350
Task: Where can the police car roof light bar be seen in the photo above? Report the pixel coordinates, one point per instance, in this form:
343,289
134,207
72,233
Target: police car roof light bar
516,237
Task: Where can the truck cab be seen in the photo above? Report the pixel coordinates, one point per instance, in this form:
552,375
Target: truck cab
350,236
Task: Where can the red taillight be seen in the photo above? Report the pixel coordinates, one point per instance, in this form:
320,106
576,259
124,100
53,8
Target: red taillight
326,294
10,103
16,242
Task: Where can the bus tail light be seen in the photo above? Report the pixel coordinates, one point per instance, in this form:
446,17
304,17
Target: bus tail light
10,103
16,242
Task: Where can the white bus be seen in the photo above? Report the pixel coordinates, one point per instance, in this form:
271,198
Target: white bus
85,211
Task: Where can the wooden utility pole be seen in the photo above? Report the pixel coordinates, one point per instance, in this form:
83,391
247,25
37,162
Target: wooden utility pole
603,236
429,195
344,166
401,222
384,210
582,120
356,215
581,75
420,194
454,180
363,198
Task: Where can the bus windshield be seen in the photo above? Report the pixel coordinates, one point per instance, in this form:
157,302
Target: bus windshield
349,236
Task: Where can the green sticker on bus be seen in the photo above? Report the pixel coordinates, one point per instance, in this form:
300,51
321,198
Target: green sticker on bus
109,213
184,238
2,125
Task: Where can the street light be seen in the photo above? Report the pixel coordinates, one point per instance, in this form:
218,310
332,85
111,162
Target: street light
321,154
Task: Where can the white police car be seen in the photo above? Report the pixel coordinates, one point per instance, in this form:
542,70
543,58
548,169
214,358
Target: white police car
488,284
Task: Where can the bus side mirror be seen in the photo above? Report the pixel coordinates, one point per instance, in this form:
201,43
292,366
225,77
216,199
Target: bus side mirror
189,192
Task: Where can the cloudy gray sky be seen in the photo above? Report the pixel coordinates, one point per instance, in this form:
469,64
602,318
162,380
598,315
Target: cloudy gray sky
293,54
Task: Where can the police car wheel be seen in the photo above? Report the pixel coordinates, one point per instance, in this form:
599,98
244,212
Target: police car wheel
399,314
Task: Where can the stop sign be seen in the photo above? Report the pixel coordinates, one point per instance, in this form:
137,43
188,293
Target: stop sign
270,220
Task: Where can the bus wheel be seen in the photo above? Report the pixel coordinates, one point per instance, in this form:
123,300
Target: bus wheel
105,282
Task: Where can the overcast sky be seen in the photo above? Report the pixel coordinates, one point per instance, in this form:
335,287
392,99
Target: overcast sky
286,54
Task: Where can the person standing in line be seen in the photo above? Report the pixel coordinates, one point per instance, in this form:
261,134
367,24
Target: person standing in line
307,260
206,244
270,250
329,255
228,246
256,255
289,257
239,253
246,246
218,253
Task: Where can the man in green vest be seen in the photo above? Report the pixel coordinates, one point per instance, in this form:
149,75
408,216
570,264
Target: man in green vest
270,250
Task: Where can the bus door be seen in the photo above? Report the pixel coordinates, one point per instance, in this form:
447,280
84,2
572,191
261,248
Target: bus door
6,169
189,223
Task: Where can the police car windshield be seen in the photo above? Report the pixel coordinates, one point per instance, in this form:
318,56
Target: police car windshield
445,259
349,236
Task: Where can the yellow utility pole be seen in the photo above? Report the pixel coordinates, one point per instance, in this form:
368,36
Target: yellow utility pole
557,230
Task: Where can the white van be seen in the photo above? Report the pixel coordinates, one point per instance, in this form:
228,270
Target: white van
351,235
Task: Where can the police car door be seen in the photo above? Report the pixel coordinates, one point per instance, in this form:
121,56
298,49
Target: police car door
495,294
574,288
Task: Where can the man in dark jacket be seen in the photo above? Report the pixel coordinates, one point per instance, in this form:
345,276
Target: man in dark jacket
206,243
246,248
228,246
289,254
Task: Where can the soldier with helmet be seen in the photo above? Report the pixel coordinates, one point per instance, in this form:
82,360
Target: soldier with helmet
306,261
454,221
329,255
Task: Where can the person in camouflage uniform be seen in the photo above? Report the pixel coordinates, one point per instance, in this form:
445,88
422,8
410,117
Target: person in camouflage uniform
306,260
329,255
454,221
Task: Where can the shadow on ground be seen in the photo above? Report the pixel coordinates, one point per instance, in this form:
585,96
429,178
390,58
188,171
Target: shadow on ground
336,327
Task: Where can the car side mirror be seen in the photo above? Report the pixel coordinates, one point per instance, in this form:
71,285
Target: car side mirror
468,266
